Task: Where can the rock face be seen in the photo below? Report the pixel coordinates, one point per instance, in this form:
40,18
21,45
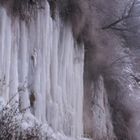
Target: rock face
75,63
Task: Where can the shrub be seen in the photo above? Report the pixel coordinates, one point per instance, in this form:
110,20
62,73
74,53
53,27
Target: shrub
16,125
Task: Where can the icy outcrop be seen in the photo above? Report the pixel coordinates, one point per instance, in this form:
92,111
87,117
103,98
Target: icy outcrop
41,66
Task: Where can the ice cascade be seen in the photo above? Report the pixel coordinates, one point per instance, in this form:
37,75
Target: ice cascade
42,66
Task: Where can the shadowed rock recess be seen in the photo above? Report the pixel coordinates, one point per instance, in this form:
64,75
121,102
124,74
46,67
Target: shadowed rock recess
69,70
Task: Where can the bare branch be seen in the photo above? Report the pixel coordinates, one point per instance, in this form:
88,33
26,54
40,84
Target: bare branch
126,14
112,24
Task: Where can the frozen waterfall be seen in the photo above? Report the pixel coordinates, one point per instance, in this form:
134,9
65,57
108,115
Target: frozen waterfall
42,66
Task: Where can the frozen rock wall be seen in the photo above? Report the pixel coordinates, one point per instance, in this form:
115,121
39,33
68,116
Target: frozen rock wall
41,66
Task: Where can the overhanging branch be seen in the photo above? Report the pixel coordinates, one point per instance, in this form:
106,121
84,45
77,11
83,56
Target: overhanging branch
126,14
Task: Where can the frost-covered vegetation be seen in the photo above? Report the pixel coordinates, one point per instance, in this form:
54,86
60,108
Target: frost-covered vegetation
18,125
27,8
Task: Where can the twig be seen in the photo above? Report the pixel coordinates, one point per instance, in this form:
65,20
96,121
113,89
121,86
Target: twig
126,14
